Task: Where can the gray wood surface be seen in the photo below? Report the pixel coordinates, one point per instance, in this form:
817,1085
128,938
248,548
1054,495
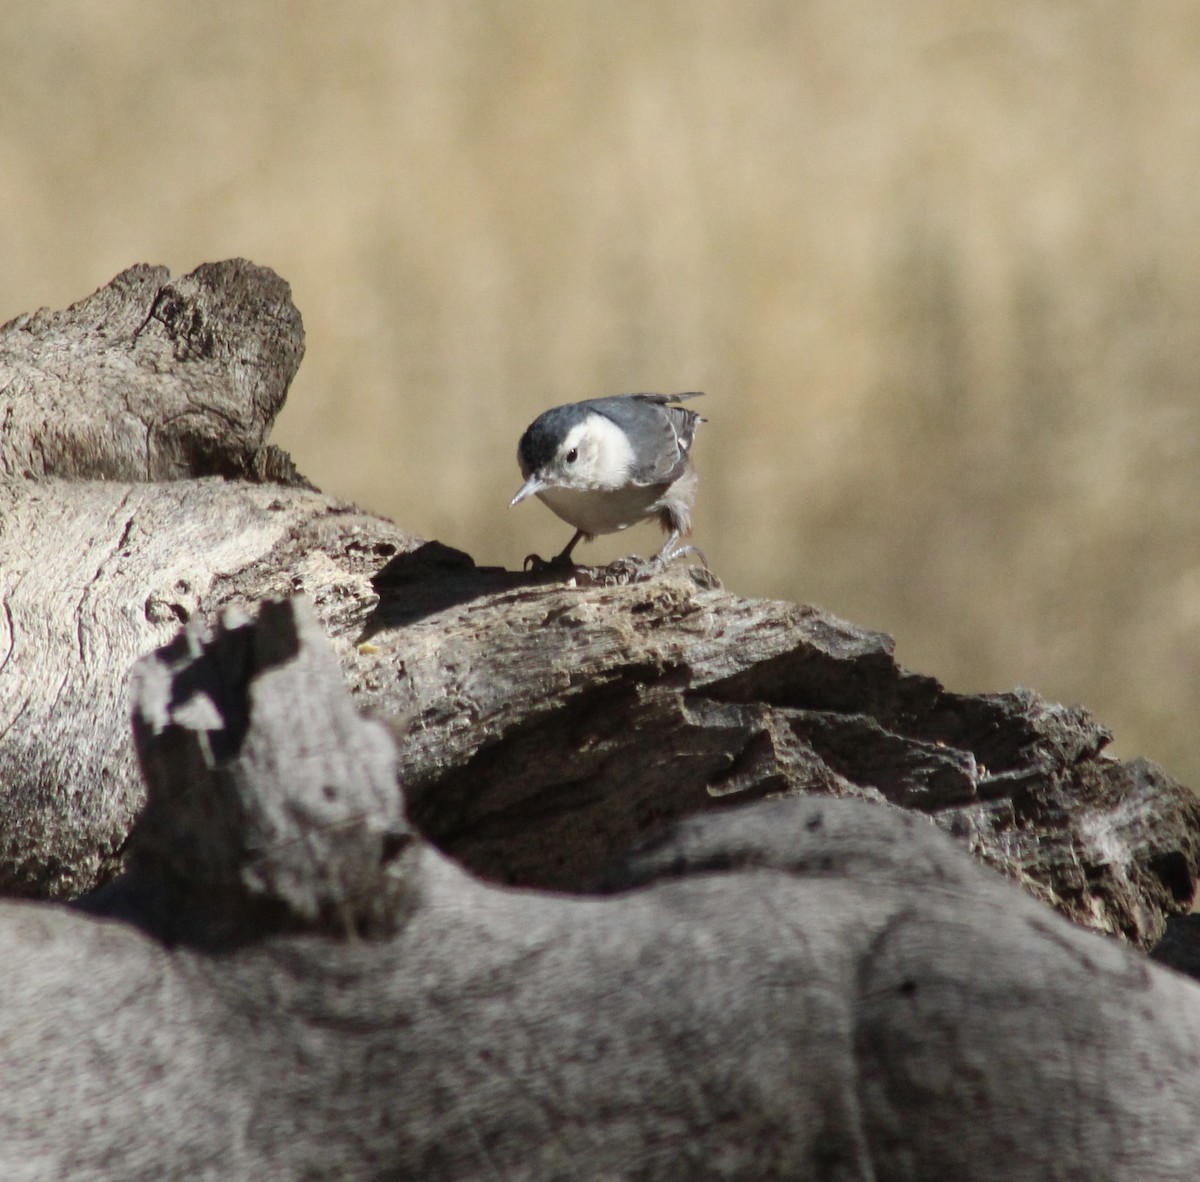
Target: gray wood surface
298,985
545,724
302,955
151,378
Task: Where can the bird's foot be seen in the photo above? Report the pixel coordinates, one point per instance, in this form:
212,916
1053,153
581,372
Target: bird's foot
537,565
670,552
634,569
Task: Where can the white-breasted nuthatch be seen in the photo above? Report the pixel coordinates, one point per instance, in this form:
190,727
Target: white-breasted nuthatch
608,463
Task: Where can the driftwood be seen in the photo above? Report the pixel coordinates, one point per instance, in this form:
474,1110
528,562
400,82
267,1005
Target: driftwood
136,482
303,987
543,728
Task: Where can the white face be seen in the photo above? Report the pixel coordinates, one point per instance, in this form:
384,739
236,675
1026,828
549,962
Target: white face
594,455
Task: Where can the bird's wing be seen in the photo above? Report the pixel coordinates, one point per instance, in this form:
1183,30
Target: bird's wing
662,434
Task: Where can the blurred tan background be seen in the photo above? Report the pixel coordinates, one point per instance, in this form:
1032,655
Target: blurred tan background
936,263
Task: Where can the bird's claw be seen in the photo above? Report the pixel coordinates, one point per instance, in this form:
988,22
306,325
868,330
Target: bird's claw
622,571
536,564
634,569
667,555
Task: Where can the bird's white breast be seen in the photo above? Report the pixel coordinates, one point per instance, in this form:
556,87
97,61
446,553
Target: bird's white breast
603,511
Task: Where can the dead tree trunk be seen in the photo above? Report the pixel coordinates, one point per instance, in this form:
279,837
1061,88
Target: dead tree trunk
546,725
803,988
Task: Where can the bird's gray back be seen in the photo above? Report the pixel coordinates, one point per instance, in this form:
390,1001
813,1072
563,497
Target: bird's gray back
661,434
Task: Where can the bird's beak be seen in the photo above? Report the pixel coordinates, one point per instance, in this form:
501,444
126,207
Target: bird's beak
533,485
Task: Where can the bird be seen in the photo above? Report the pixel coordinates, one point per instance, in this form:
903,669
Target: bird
605,464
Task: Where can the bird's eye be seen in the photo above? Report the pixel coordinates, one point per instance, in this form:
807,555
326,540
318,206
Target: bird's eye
572,455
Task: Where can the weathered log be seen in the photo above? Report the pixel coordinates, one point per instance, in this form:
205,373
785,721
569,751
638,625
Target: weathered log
151,378
289,980
147,381
547,728
300,986
93,575
546,725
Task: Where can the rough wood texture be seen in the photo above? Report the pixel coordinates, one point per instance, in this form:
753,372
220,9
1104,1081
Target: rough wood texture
289,980
151,378
809,988
147,381
93,575
545,726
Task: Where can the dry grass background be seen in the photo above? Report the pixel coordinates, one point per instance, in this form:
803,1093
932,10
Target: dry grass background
937,264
